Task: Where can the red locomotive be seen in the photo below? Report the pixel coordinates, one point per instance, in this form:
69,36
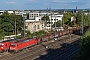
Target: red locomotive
4,46
16,46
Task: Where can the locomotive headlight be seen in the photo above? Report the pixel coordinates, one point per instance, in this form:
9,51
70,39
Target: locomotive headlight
2,44
13,48
2,47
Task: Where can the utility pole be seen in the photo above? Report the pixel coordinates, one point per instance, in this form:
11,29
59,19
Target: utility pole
3,34
81,31
23,26
15,28
61,25
89,19
55,27
51,20
55,23
70,33
82,23
45,22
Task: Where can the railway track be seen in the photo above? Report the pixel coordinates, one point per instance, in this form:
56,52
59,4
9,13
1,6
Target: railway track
28,57
37,50
65,54
58,54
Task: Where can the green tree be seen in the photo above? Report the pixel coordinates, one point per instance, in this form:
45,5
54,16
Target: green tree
7,23
67,18
46,20
58,24
81,16
84,53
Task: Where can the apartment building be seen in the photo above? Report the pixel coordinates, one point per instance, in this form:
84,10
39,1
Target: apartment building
34,26
53,18
33,15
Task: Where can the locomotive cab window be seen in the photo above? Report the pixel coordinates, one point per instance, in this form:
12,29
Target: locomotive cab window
13,45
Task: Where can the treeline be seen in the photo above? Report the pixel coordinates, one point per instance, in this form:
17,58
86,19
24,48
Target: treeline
84,53
8,21
78,18
7,24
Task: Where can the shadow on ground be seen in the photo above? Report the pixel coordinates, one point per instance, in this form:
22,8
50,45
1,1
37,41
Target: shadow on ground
54,54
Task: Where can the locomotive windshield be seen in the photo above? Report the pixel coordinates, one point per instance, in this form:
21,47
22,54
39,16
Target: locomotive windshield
13,45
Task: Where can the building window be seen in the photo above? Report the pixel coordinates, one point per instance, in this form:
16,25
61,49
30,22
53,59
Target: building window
38,27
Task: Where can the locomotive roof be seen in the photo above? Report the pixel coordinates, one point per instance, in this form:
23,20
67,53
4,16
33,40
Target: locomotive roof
8,40
26,40
21,41
11,40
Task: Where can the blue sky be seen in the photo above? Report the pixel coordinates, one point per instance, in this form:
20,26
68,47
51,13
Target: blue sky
43,4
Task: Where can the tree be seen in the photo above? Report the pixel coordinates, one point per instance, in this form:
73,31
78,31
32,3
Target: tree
58,24
67,18
81,16
7,23
46,20
84,53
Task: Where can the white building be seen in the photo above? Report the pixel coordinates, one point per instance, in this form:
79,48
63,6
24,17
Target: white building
1,12
56,17
10,12
33,15
53,18
33,25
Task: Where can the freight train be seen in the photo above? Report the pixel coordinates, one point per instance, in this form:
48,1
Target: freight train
18,44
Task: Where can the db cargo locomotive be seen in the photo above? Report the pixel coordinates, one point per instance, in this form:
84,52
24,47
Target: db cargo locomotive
18,44
5,45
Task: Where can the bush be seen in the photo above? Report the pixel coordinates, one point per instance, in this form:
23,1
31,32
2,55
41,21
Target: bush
39,33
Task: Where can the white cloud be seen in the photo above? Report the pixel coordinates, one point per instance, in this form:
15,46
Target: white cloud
10,2
55,1
74,1
58,1
32,0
